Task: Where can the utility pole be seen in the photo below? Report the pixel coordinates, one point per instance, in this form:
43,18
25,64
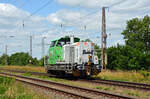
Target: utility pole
30,61
103,40
43,47
6,59
31,46
6,50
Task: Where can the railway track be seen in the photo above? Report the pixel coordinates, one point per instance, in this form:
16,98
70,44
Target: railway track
71,91
21,71
131,85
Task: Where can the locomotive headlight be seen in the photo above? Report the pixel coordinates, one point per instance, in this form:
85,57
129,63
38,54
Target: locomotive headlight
97,67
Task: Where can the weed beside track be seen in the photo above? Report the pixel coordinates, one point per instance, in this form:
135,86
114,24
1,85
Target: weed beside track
10,89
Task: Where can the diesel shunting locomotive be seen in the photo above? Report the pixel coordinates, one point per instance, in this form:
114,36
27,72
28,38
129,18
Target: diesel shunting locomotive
69,55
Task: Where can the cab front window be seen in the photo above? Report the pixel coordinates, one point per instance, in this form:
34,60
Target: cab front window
52,44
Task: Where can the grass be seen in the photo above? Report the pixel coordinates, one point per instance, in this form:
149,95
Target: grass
27,74
132,76
4,82
25,68
52,79
10,89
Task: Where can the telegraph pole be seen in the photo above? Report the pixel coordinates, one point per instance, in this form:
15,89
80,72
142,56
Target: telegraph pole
103,40
6,60
43,47
6,51
31,46
30,61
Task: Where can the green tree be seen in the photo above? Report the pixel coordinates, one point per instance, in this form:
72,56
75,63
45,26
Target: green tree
137,36
3,59
137,33
98,50
19,59
41,62
35,62
117,57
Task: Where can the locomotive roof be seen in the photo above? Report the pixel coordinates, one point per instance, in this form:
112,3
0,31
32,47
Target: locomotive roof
67,39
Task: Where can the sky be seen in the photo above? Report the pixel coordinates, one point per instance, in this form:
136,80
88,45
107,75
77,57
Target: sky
20,19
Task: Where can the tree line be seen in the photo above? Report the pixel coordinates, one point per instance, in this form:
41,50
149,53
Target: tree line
20,59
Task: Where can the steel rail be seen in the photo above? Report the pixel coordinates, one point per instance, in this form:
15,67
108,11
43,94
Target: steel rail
91,91
130,85
75,96
22,71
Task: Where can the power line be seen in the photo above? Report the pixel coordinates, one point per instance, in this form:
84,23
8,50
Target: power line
43,6
79,19
14,1
22,5
115,4
107,7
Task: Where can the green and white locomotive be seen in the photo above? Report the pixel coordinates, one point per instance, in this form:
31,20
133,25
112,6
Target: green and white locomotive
68,55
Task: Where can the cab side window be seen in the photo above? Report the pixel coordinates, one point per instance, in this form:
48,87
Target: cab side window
58,44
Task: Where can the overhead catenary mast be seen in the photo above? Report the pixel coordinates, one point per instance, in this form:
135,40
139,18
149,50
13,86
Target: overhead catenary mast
6,58
103,40
30,61
43,46
31,46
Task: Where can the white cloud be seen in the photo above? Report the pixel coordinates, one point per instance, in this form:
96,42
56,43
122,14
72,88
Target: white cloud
53,18
19,21
64,16
91,3
8,10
